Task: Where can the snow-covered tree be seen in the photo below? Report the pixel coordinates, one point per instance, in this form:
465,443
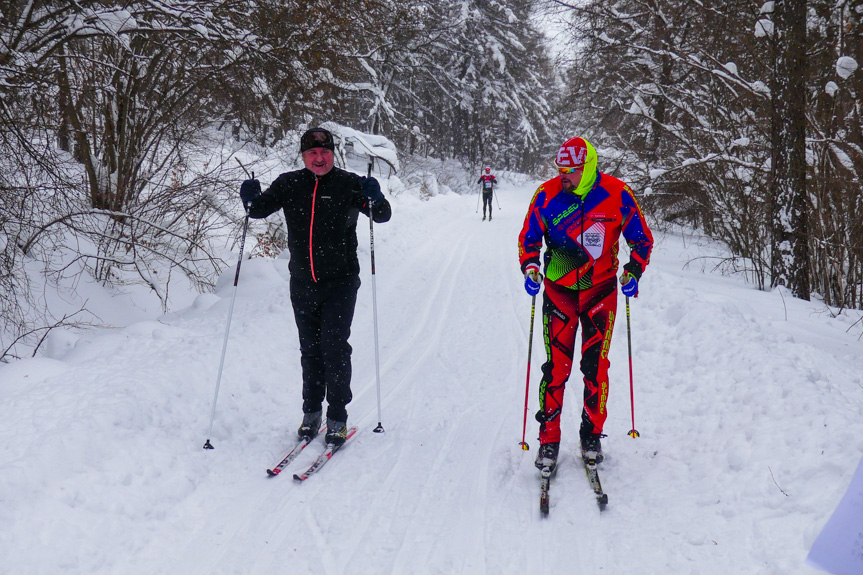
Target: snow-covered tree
835,149
456,79
688,105
103,109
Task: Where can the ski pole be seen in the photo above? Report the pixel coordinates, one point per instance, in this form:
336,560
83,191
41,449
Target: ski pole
523,443
477,201
497,200
632,432
380,427
207,444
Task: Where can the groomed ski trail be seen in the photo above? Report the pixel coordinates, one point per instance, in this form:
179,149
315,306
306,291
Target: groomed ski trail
748,405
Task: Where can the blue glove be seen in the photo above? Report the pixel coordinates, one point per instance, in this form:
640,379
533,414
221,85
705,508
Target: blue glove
532,280
372,189
629,285
249,190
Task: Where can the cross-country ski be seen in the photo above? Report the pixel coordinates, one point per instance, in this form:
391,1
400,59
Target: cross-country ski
590,466
298,448
329,450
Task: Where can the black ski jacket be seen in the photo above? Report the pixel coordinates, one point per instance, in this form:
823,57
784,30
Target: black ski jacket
321,215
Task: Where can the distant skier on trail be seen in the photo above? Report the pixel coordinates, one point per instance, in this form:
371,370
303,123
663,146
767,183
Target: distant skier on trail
488,181
580,214
321,204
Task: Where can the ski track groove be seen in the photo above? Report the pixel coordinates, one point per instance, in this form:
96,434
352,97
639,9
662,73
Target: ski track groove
323,548
504,230
437,324
525,475
254,521
407,558
420,331
429,327
454,268
457,265
527,494
383,493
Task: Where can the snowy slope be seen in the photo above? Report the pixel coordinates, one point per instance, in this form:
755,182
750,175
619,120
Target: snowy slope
749,407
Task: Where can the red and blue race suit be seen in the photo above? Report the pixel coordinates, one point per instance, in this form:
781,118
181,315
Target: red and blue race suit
581,238
488,182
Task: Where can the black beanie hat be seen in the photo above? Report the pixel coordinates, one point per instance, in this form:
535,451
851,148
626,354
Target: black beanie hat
316,138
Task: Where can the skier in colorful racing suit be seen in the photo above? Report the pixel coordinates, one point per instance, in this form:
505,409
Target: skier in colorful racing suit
488,182
580,214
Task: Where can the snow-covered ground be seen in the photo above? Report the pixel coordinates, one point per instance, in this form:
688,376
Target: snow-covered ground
749,404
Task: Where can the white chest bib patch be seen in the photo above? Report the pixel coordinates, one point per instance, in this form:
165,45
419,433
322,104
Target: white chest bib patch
593,239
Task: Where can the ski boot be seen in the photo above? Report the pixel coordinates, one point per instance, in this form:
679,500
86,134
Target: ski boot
310,427
591,448
547,456
337,432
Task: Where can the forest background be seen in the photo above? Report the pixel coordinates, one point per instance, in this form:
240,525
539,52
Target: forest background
739,118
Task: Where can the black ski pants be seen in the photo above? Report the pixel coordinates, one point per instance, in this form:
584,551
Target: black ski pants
486,200
324,311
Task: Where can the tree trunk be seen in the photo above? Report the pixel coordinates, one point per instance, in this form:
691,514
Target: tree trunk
790,207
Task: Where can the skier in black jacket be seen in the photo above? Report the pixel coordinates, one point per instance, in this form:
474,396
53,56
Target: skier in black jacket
321,204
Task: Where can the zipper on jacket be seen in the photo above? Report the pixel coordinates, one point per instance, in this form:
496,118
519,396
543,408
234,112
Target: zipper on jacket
312,229
577,278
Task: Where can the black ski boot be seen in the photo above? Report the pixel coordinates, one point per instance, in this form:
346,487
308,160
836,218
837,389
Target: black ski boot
337,432
591,447
310,427
547,456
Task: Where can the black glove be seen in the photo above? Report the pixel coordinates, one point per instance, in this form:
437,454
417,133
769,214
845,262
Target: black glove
372,189
633,268
249,190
